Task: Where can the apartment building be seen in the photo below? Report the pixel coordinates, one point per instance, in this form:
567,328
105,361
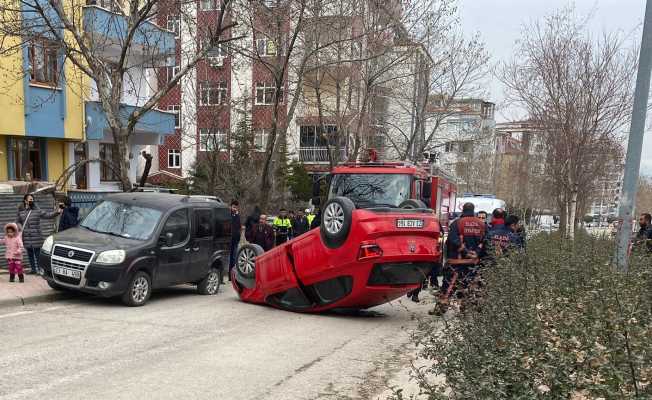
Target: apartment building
464,139
55,118
237,82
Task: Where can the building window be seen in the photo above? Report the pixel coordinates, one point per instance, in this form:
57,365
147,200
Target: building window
112,5
174,24
171,72
174,158
109,169
215,53
261,136
449,147
266,47
313,136
271,3
43,62
265,94
26,158
212,93
212,139
176,109
209,5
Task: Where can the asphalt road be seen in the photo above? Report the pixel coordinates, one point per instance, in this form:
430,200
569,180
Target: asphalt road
186,346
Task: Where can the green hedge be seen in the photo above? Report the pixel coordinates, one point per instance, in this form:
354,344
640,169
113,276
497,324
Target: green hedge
555,323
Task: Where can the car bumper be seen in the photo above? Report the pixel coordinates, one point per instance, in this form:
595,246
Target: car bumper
95,279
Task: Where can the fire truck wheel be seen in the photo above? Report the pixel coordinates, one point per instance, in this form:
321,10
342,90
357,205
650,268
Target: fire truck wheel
246,260
336,221
413,204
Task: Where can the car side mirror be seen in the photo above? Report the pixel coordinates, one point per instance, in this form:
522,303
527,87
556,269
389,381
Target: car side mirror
167,239
427,190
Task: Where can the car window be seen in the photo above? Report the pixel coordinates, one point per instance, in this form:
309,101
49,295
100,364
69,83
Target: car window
222,222
203,223
178,225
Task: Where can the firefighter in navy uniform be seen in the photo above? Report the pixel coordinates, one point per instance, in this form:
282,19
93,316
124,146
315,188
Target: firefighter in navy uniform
465,246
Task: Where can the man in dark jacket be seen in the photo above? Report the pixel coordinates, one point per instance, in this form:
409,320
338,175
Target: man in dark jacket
261,234
300,224
69,215
464,246
499,236
236,232
644,234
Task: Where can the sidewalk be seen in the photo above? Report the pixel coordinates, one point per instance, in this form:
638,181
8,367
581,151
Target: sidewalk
33,290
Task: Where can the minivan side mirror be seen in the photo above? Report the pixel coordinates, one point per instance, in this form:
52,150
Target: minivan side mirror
427,190
168,239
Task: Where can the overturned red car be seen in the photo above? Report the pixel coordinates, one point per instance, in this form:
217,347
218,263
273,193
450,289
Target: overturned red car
377,241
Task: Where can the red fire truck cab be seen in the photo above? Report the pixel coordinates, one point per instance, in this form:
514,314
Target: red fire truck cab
379,237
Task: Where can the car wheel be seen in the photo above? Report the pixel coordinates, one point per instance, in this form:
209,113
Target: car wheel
246,261
412,204
210,285
138,290
336,221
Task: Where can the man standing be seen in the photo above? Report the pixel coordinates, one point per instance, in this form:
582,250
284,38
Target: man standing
282,227
261,234
499,235
300,224
465,246
236,231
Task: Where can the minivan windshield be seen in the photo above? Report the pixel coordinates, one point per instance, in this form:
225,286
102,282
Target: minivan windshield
372,190
124,220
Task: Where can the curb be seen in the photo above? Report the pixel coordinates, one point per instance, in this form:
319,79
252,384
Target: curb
41,298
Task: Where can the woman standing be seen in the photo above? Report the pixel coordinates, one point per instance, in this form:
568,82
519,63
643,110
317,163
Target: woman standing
29,217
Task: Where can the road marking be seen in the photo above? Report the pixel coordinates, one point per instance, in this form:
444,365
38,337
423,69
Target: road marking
19,313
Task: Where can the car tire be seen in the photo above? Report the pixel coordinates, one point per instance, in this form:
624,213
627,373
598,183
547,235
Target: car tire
245,263
336,221
138,291
210,285
412,204
56,286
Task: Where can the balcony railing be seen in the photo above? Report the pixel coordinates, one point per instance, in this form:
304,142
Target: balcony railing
318,154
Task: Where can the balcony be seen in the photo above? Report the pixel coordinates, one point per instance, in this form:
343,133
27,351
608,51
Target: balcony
150,129
318,155
151,45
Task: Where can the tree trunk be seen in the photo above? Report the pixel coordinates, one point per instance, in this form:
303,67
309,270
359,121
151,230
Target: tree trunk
572,214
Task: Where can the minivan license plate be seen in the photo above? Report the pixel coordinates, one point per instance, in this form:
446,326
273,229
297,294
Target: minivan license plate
409,223
71,273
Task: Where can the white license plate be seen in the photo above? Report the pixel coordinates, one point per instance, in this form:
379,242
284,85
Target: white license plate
409,223
71,273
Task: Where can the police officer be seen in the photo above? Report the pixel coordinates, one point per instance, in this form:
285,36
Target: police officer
282,227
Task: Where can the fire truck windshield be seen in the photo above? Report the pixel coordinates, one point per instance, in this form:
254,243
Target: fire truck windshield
372,190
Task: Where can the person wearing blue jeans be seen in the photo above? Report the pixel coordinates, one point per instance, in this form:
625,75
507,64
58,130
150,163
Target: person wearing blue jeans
32,255
236,231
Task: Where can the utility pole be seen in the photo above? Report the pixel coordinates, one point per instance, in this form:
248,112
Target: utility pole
635,142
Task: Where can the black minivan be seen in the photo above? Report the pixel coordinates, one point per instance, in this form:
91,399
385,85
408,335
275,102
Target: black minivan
131,243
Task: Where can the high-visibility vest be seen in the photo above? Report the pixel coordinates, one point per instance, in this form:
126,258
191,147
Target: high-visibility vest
310,217
282,225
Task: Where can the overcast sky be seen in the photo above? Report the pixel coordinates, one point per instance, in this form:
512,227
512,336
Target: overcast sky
499,23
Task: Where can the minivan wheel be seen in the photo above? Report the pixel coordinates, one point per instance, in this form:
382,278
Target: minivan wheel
138,290
210,285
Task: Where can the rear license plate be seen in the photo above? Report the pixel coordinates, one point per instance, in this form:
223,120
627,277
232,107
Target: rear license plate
409,223
71,273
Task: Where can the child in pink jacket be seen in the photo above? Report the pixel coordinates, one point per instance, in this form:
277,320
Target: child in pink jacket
13,252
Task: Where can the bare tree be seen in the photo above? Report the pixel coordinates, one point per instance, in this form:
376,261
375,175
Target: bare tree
109,51
578,89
